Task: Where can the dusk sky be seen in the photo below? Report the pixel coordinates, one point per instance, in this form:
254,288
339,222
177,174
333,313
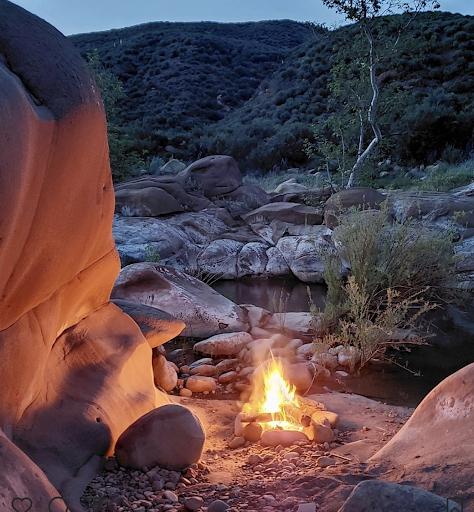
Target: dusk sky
76,16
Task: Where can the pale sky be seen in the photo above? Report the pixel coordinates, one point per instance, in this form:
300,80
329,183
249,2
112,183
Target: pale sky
77,16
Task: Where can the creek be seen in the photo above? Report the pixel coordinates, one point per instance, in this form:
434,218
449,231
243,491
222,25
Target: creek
450,348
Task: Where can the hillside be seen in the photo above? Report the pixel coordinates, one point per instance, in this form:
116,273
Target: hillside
182,76
254,90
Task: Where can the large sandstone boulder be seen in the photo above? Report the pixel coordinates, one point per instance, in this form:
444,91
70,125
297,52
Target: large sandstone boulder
157,326
74,370
435,445
212,176
204,311
153,441
388,497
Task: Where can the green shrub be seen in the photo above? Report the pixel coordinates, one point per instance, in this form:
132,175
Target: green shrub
396,270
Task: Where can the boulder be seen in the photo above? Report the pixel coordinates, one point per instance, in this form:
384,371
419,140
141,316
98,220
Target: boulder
219,258
200,384
172,167
224,344
170,436
212,176
173,186
360,197
431,446
252,260
276,265
303,254
290,187
292,213
157,326
74,370
164,373
294,324
389,497
204,311
251,195
145,202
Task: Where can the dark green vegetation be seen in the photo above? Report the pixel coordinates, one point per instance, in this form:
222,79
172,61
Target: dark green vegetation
276,80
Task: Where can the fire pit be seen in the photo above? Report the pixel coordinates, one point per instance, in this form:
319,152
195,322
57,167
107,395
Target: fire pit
276,415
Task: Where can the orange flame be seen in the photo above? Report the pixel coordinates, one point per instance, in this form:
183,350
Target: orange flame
272,393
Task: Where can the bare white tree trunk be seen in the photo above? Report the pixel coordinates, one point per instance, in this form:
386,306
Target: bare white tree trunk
372,113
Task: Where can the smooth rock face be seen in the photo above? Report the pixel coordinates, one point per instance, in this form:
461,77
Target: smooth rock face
436,437
214,175
157,326
170,436
302,254
389,497
223,344
57,331
204,311
146,202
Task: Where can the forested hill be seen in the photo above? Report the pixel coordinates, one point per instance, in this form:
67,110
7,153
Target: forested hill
255,90
178,76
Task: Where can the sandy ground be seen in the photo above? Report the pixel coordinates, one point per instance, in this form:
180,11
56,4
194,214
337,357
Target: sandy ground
365,426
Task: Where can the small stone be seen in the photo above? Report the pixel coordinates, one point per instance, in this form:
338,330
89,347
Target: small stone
185,392
319,433
184,369
206,370
255,459
157,485
252,432
341,373
324,462
227,377
204,360
217,506
193,502
171,496
237,442
291,456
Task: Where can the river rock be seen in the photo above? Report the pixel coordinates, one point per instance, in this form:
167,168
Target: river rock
293,213
185,392
226,365
204,311
326,360
324,462
170,436
217,506
319,433
224,344
276,264
299,375
225,378
219,258
282,437
391,497
348,356
157,326
199,362
199,384
164,373
252,432
237,442
173,166
303,255
295,324
252,260
290,187
305,350
193,503
206,370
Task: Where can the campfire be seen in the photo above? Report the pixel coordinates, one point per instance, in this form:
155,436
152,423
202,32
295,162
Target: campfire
276,415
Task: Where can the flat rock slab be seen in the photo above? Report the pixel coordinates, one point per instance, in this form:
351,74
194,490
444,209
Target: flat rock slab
224,344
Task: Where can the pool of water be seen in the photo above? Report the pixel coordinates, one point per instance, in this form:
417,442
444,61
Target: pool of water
450,348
